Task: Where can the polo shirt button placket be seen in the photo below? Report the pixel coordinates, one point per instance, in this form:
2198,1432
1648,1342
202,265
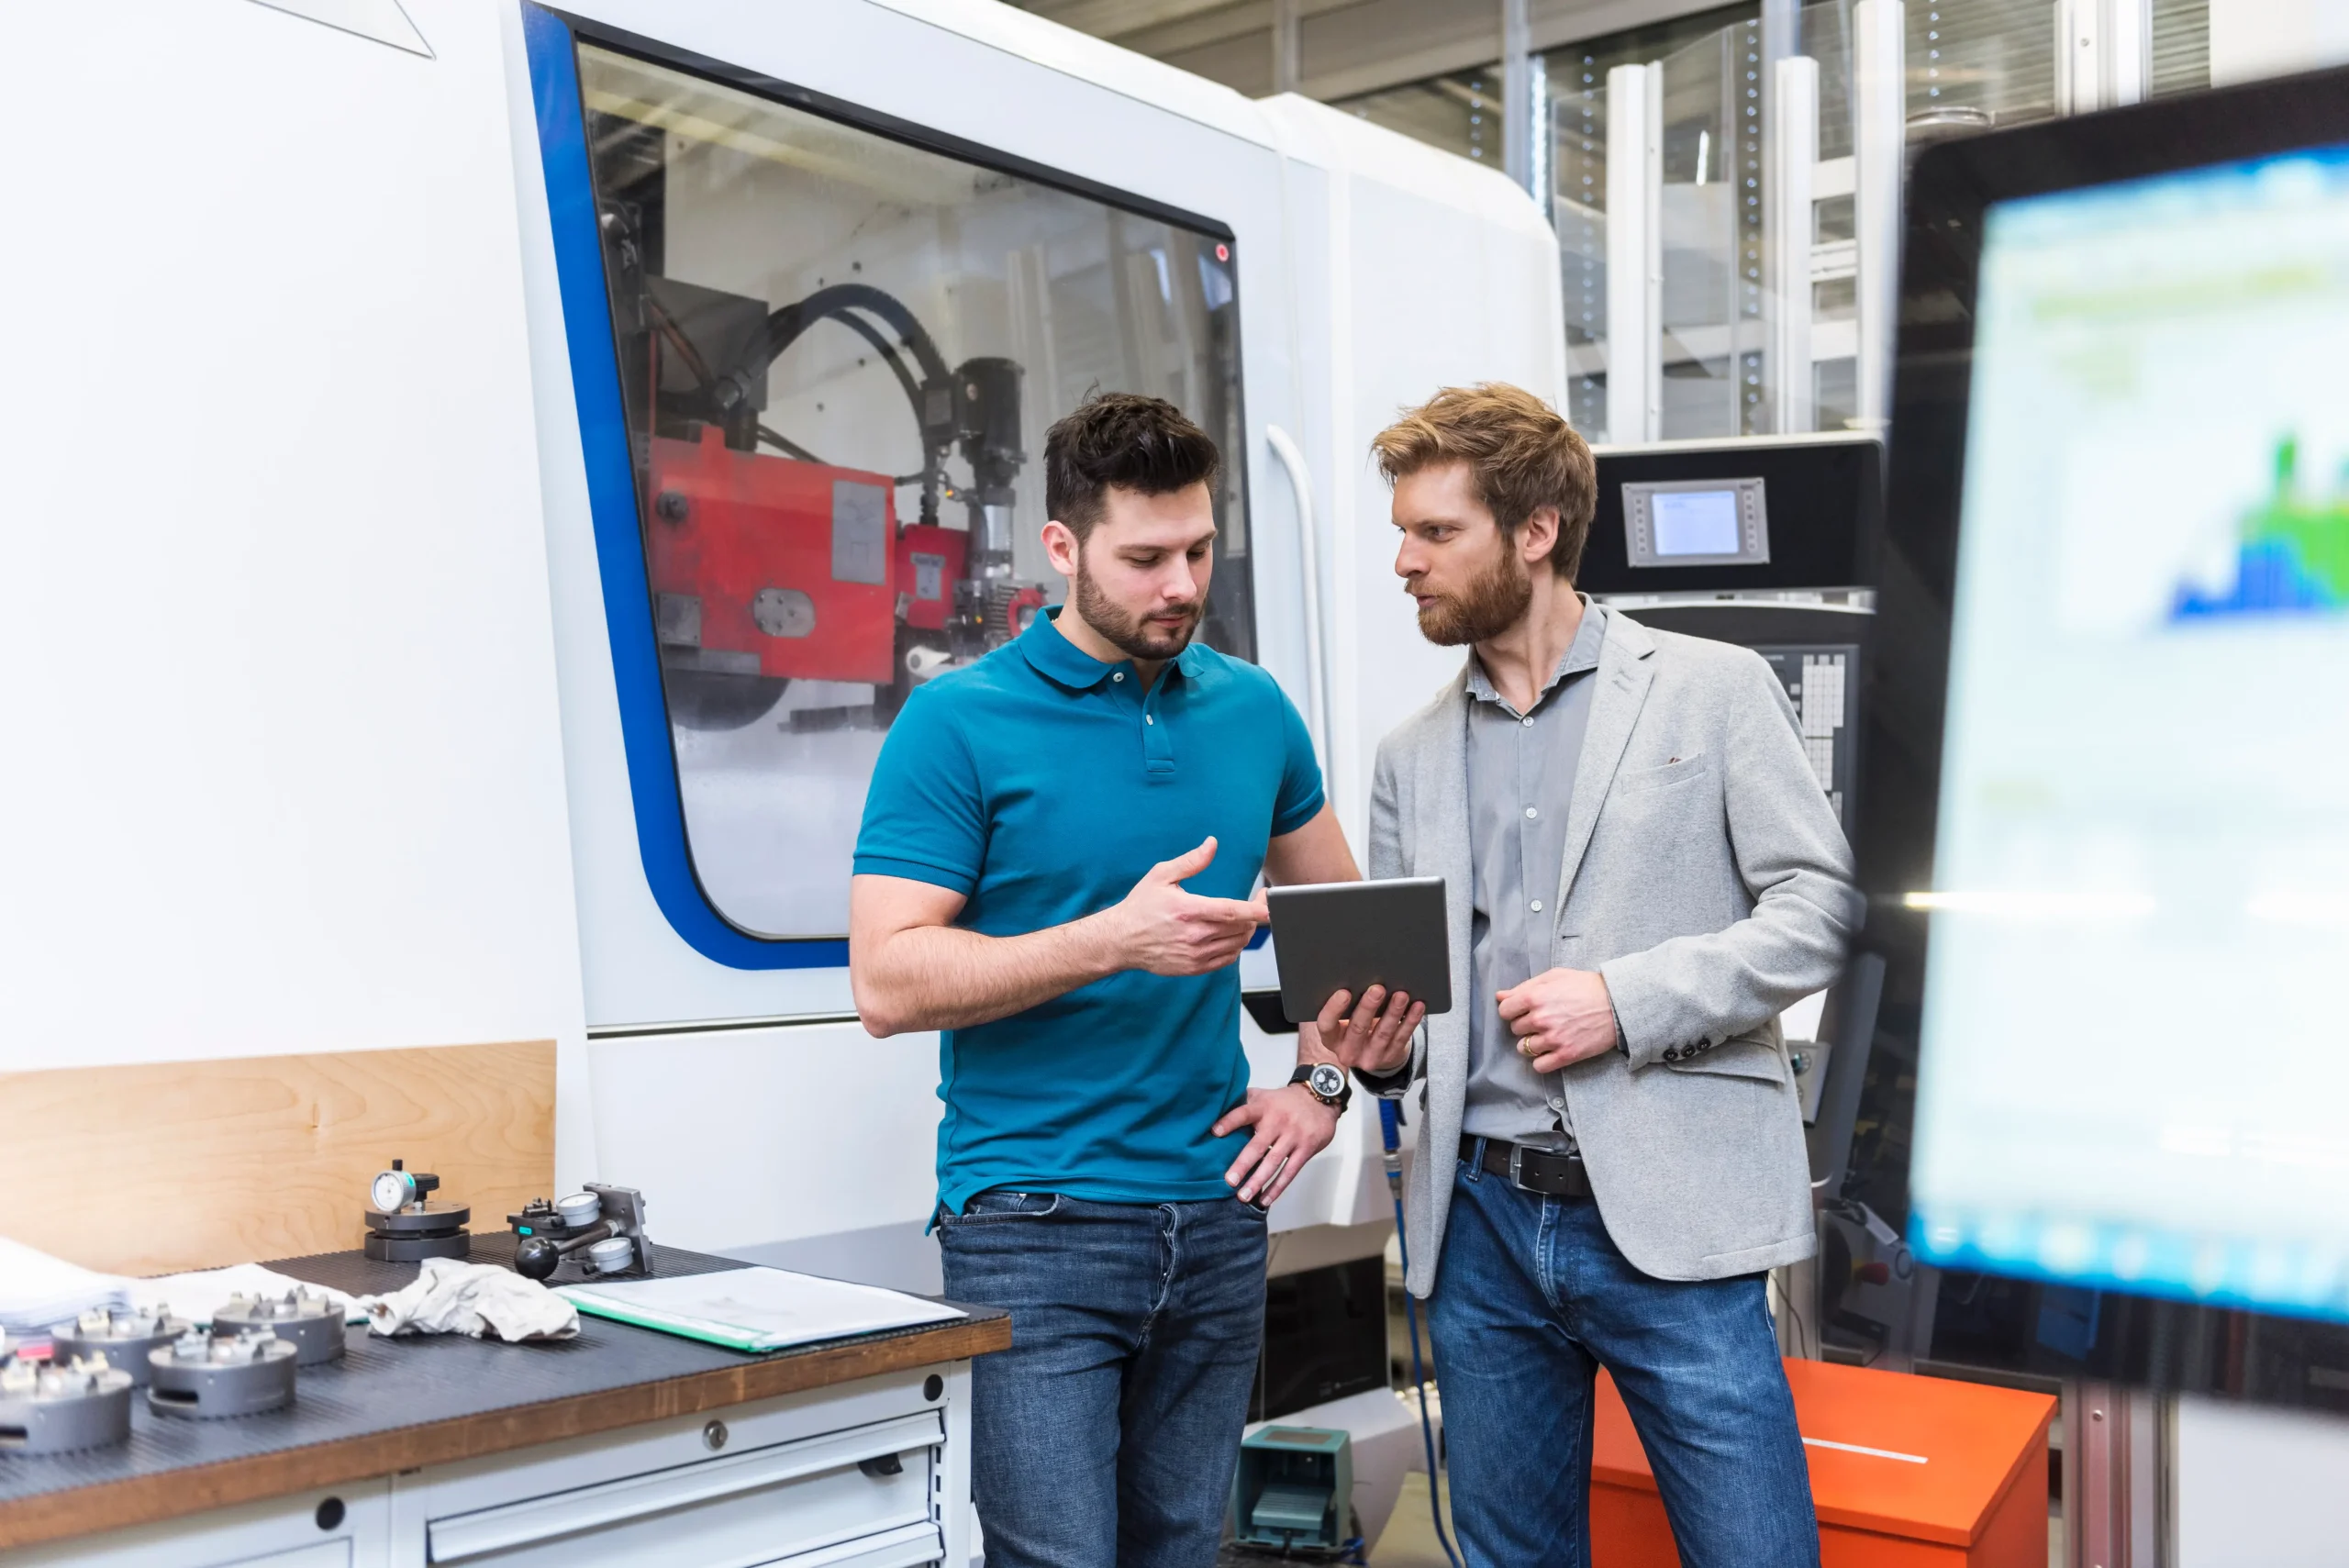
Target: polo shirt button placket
1157,747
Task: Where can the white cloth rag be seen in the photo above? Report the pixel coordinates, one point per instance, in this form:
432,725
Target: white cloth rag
477,1299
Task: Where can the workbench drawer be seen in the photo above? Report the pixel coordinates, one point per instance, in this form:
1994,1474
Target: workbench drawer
809,1503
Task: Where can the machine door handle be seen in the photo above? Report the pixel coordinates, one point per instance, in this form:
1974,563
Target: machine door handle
1308,554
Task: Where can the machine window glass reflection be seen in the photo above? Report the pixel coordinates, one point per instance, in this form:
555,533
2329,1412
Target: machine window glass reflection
840,354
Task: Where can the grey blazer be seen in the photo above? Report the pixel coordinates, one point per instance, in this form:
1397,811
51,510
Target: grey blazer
1705,877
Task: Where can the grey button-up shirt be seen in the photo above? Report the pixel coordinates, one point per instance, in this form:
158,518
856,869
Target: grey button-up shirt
1520,783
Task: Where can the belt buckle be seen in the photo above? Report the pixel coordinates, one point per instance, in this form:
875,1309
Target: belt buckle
1515,1175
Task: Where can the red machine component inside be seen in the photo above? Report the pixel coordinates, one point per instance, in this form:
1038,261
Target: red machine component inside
774,567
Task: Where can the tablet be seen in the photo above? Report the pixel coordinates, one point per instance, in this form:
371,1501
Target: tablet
1348,936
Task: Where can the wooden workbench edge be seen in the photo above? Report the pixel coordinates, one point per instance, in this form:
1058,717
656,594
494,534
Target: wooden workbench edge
175,1493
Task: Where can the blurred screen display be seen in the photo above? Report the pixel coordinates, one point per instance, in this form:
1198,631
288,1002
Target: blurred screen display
2135,1047
1694,522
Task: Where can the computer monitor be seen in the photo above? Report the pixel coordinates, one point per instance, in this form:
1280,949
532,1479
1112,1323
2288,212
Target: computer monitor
2115,892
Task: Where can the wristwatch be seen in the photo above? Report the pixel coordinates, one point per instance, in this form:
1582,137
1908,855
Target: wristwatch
1326,1082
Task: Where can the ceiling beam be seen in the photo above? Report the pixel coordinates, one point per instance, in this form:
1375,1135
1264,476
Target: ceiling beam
1116,18
1163,27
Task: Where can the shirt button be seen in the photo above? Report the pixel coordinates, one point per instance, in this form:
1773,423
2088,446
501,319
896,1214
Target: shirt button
1150,718
1531,812
1537,906
1557,1103
1526,721
1117,675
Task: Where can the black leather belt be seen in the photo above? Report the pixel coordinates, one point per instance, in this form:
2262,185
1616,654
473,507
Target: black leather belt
1535,1169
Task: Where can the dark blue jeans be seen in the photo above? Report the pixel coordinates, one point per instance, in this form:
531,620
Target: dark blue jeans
1532,1298
1106,1437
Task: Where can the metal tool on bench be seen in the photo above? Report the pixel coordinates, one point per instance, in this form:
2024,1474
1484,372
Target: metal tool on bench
121,1337
313,1322
606,1223
212,1375
54,1407
406,1226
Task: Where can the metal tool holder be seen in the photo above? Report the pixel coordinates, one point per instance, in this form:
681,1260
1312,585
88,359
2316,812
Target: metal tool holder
121,1337
51,1407
406,1226
209,1377
599,1233
312,1322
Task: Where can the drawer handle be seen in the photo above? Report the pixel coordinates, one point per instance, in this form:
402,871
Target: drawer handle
509,1525
881,1464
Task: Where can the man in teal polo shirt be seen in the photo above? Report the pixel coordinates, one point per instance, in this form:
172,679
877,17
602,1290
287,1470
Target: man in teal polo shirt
1057,868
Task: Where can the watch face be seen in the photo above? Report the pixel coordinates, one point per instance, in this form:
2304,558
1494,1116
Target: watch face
1329,1082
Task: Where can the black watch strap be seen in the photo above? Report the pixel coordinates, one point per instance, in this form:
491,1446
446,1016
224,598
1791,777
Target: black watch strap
1345,1090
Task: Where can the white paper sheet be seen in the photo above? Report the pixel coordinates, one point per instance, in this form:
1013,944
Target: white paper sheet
39,1291
759,1309
197,1296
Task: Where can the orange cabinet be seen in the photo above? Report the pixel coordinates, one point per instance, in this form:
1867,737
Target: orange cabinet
1906,1473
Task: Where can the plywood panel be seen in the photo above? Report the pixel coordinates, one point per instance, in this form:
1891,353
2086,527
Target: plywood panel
156,1167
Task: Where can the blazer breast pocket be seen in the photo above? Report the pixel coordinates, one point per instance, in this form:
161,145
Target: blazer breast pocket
1674,774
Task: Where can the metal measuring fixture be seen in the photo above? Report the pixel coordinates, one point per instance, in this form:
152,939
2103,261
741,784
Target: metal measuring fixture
209,1377
407,1225
601,1229
120,1337
312,1322
56,1406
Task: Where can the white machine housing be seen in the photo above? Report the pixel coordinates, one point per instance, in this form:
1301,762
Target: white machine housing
317,738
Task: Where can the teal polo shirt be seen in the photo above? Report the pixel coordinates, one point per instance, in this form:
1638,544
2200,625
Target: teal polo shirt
1041,784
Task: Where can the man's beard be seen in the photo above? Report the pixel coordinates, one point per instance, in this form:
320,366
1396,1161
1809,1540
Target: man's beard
1493,601
1131,634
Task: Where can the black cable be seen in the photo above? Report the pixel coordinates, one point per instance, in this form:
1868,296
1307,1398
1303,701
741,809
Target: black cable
841,303
784,326
788,447
676,335
888,352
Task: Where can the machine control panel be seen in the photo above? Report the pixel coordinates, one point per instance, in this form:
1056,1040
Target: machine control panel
1820,679
1695,522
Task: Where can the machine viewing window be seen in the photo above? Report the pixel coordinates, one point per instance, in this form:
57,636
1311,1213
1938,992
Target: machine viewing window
838,355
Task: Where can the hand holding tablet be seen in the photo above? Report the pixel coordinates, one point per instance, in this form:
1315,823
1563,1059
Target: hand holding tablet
1383,945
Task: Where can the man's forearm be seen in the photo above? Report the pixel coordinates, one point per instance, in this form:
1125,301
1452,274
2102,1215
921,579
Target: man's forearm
943,977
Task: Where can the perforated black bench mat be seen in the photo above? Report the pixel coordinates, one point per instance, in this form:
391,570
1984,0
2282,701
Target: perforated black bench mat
384,1384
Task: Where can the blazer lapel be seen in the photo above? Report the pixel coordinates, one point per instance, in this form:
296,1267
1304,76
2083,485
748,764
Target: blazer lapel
1625,670
1442,829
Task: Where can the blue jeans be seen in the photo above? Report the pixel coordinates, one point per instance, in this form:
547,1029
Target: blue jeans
1107,1436
1532,1298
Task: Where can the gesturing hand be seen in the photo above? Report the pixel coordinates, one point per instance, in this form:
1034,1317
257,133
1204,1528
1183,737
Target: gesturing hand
1374,1037
1291,1126
1163,928
1560,1016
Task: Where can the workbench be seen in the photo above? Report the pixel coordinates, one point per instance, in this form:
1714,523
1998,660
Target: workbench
622,1445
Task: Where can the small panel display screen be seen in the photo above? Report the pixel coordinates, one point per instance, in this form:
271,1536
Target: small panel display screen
1695,522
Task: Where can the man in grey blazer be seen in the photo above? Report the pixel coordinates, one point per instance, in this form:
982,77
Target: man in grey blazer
1643,872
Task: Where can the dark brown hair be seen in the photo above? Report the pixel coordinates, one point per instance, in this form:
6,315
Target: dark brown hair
1124,439
1523,455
